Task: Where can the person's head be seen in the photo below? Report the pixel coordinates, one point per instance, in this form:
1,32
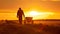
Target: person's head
19,8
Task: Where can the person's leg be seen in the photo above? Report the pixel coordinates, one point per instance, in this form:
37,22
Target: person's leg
20,20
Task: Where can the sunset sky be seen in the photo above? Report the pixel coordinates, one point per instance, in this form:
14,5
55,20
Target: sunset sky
46,9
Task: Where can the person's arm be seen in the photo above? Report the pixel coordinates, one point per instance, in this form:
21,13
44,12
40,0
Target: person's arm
18,13
23,14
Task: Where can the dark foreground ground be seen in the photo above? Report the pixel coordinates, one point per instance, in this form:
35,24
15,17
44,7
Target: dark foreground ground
10,27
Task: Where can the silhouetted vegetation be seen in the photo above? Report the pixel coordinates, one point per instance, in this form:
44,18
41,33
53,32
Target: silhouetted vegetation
10,27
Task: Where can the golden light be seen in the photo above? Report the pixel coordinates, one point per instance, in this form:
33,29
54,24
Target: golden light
40,15
33,13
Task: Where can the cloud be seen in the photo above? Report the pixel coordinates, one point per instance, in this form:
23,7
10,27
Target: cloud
8,4
25,4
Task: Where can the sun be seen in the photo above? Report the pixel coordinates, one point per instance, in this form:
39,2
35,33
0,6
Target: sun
33,13
40,14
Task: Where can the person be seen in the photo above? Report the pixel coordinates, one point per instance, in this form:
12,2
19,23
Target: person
20,13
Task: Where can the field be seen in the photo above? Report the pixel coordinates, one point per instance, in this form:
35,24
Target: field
11,27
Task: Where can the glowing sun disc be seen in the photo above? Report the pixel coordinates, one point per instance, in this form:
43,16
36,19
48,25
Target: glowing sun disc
34,13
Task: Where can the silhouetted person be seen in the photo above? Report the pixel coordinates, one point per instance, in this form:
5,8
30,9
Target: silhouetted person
19,15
